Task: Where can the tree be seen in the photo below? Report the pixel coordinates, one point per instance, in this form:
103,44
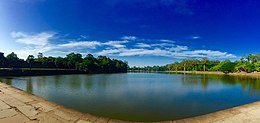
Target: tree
89,63
12,57
257,66
60,62
204,61
227,66
72,59
30,59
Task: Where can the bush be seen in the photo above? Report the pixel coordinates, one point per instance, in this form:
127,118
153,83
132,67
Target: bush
227,67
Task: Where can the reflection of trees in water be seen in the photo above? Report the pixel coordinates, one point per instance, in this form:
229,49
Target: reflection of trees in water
7,81
29,86
253,84
204,81
195,80
73,82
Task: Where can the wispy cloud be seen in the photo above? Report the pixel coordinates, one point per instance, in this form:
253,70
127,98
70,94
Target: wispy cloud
128,38
167,41
167,53
42,42
39,39
163,45
142,45
117,44
33,43
195,37
73,44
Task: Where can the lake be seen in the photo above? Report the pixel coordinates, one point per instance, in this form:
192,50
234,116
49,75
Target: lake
142,96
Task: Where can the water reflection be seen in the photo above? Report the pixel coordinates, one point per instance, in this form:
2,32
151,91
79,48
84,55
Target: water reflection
29,86
204,80
143,96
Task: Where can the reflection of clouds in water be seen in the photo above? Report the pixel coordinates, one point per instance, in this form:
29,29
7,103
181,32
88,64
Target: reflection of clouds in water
142,94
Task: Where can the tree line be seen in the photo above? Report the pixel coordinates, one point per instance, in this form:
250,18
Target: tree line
248,63
74,61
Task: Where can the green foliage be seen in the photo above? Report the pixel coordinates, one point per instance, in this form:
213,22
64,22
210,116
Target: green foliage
257,66
30,59
227,66
248,63
73,60
12,57
89,64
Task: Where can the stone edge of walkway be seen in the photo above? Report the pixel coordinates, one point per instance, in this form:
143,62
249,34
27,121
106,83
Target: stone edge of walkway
31,108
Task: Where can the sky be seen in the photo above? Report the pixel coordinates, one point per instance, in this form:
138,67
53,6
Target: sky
142,32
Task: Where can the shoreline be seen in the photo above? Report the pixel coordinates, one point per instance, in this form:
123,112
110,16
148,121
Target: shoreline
19,106
253,74
47,72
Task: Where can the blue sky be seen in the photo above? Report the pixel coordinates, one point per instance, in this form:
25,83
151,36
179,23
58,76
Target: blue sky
142,32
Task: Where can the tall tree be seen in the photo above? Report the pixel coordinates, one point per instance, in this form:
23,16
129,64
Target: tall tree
12,57
72,59
30,59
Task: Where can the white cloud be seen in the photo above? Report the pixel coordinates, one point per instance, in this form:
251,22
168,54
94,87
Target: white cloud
162,45
143,52
109,52
129,38
84,36
195,37
117,44
40,39
31,44
40,42
88,44
167,41
178,48
179,52
142,45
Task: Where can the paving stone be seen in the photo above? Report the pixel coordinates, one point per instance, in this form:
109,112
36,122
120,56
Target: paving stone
27,110
51,119
4,97
102,120
83,121
14,102
255,113
206,118
179,121
3,106
43,106
67,114
89,117
235,119
22,98
117,121
8,92
191,120
32,121
7,113
15,119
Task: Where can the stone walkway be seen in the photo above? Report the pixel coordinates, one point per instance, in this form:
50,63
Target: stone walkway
17,106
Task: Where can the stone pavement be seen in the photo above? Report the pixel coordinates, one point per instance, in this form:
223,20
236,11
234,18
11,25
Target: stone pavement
17,106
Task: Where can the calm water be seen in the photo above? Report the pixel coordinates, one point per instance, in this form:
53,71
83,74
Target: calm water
143,96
